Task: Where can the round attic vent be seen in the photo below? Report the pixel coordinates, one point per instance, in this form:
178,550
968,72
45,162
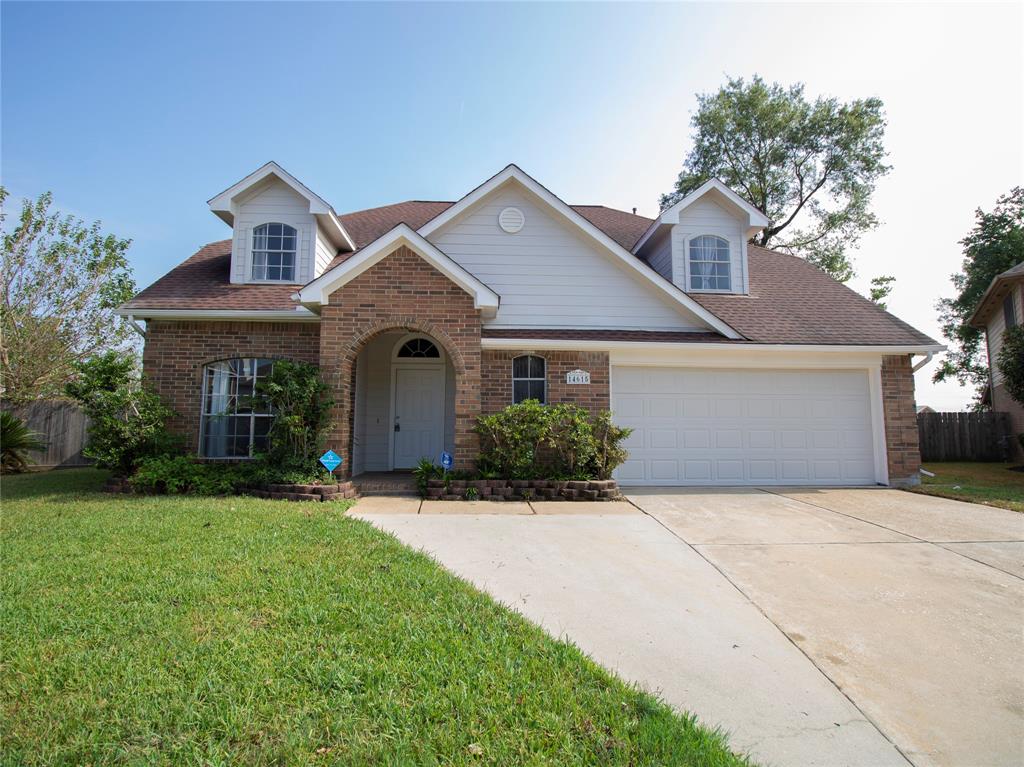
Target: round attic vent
511,220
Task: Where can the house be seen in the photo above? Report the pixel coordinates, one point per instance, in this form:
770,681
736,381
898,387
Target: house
1001,308
733,364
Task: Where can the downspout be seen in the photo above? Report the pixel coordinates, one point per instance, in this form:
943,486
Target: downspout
922,363
137,326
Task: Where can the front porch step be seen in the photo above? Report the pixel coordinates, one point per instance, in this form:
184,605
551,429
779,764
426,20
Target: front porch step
386,483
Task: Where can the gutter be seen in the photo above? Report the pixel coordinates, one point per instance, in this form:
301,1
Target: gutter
927,358
138,328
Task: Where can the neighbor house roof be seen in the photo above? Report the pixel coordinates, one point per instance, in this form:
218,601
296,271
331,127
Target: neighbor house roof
790,301
994,294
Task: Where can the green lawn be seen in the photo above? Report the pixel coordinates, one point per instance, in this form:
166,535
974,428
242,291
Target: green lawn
220,631
993,484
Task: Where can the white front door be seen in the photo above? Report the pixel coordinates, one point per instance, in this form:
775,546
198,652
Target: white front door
418,415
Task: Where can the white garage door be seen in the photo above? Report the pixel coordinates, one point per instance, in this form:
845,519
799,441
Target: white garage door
736,427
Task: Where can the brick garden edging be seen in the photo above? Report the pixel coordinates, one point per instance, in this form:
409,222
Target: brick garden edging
341,491
524,489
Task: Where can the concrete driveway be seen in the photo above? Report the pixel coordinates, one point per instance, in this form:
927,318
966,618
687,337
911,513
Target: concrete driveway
819,627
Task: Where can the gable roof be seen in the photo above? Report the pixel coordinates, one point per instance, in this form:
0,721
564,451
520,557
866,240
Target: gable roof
223,204
318,291
793,302
994,294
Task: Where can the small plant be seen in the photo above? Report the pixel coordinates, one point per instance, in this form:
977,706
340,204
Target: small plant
16,439
423,472
609,453
472,493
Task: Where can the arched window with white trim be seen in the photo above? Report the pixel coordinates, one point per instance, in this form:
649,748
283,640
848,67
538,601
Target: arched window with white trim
709,263
529,378
273,252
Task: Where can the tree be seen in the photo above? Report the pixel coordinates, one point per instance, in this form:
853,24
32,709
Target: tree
995,244
810,167
881,287
1011,362
62,280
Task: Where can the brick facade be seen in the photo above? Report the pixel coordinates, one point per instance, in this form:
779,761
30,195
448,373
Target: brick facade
1002,402
901,439
402,292
496,378
176,352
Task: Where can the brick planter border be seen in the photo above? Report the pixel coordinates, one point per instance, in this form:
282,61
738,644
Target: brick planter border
320,493
524,490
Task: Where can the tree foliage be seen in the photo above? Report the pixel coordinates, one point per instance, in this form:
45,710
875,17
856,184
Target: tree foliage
1011,362
881,287
62,280
810,167
995,244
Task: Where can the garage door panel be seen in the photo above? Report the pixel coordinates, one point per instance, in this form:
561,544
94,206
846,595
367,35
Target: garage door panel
745,427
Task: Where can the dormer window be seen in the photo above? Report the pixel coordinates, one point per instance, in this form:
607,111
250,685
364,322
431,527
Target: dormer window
273,252
709,263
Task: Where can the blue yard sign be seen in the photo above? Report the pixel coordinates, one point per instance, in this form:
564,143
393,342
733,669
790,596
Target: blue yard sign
446,460
330,460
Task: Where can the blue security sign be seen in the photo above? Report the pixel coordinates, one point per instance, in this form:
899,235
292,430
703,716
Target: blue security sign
330,460
446,460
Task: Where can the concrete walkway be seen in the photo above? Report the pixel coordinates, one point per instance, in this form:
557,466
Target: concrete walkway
819,627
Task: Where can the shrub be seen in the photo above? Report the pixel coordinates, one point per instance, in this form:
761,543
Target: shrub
511,439
302,416
127,419
16,439
183,474
1011,362
570,436
609,453
423,472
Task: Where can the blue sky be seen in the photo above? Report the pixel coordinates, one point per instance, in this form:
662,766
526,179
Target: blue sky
136,114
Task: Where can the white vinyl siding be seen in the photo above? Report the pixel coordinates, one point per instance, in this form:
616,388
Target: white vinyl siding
659,252
707,217
995,329
549,275
272,201
325,253
705,426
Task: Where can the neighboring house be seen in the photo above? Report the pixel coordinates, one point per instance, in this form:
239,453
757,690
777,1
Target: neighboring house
1002,307
732,363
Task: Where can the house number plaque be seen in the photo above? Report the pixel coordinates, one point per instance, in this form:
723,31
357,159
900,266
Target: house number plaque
577,377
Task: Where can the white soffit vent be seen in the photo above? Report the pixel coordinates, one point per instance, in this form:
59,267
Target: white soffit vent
511,220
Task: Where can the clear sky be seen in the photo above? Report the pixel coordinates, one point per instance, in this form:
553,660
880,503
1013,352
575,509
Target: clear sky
136,114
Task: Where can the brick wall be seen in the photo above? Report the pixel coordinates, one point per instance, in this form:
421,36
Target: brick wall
900,420
175,353
496,378
402,292
1002,402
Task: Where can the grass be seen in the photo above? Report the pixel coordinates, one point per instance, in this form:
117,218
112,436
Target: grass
222,631
993,484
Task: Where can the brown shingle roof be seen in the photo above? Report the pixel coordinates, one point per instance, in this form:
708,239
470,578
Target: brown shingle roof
793,302
790,301
568,334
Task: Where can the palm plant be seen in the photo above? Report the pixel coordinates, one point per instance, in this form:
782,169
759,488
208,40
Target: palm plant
16,439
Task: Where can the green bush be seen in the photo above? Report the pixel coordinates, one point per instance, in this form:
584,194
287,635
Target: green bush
184,475
423,472
533,441
1011,362
302,417
16,439
127,420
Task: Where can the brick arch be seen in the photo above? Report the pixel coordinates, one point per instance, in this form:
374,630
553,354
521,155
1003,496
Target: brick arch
363,335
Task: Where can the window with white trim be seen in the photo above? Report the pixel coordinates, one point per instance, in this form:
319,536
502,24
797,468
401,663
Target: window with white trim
709,263
529,378
1009,312
235,421
273,252
419,348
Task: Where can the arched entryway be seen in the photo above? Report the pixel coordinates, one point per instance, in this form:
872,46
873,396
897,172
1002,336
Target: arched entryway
404,402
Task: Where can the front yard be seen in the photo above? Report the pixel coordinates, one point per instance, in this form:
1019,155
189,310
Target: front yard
236,630
993,484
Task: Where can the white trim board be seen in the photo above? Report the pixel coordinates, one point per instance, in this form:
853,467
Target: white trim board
674,347
319,290
512,172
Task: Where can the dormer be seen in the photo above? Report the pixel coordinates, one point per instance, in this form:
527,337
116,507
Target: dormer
700,243
283,232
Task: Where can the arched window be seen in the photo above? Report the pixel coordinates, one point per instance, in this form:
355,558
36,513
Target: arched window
529,378
709,263
419,348
273,252
235,421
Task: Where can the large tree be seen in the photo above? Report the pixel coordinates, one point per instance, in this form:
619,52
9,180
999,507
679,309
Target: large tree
62,280
995,244
810,167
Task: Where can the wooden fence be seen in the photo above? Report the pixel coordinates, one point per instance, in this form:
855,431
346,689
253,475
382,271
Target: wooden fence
964,436
62,425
